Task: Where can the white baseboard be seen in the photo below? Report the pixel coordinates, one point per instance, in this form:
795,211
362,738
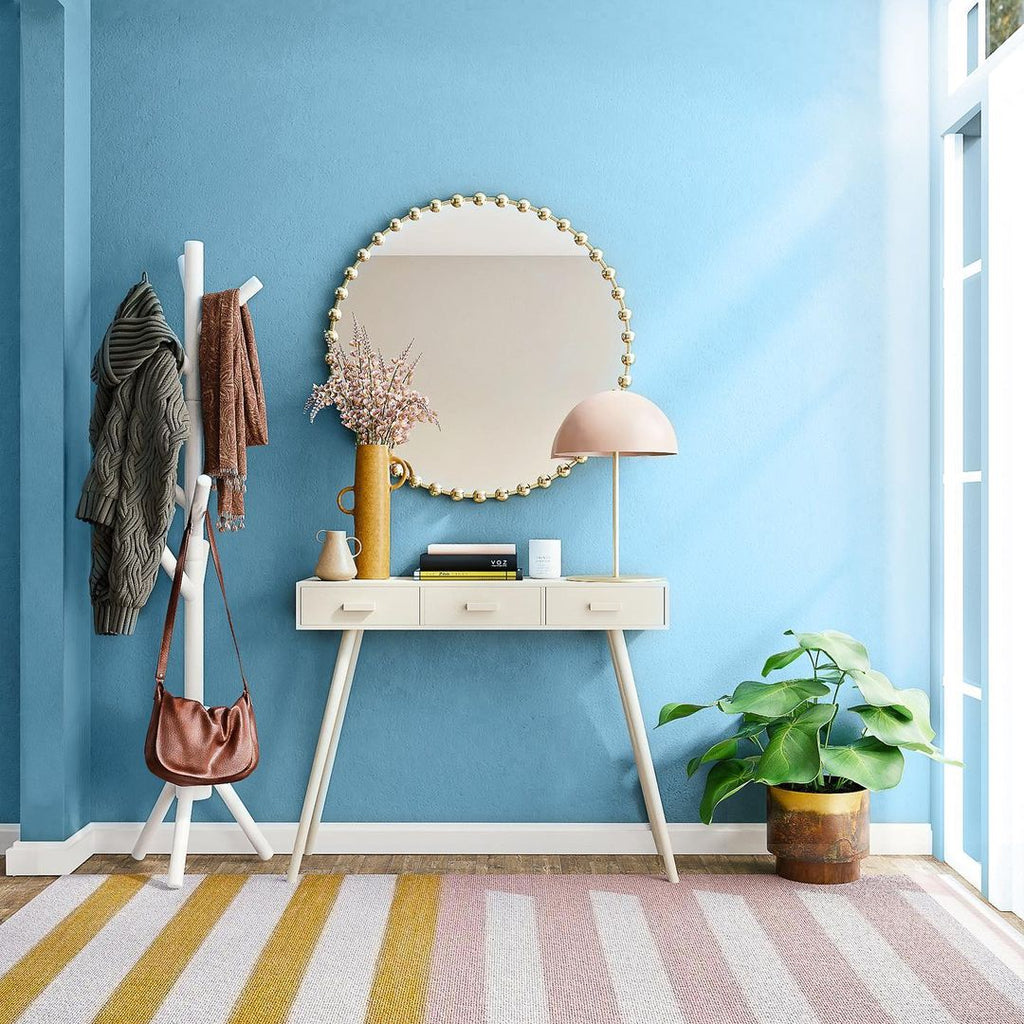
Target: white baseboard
59,858
9,834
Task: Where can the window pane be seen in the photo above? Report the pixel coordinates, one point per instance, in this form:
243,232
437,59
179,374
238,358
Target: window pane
975,596
975,365
972,39
1004,18
974,778
972,198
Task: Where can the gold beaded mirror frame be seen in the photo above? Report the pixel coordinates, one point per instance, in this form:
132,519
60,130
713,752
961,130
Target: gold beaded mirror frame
508,308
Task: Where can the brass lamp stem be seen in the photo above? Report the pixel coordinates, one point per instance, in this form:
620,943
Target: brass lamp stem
616,576
615,514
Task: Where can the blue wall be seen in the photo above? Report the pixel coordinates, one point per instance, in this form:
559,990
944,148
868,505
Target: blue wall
731,160
10,150
55,394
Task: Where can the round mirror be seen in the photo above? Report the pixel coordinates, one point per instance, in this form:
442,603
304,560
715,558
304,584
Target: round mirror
515,317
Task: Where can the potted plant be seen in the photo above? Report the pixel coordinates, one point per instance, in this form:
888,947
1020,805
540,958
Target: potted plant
817,789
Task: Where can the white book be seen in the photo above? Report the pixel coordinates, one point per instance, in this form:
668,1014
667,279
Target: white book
471,549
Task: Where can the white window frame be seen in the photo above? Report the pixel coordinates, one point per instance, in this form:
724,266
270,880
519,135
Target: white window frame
956,39
1005,101
995,89
954,479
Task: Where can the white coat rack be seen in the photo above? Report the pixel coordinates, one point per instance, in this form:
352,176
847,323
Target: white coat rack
196,484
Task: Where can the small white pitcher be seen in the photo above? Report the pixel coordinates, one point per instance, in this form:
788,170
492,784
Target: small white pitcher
336,561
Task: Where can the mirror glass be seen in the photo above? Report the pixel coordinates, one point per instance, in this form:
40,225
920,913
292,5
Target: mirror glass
515,321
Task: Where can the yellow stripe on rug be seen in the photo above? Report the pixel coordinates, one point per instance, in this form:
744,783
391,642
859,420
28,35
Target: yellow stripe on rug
20,986
399,992
145,987
270,991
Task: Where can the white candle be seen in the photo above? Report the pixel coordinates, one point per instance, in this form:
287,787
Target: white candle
545,559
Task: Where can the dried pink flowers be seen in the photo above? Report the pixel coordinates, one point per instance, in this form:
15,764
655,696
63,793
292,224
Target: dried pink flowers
374,396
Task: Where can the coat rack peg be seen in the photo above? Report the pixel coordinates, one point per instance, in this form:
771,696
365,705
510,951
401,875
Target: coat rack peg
168,562
245,292
248,290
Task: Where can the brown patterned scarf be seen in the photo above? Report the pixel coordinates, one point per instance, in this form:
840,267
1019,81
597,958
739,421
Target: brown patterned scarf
234,409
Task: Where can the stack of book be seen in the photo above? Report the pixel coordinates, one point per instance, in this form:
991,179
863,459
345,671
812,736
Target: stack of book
469,562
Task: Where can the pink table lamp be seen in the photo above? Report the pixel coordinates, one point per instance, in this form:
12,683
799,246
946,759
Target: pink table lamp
614,423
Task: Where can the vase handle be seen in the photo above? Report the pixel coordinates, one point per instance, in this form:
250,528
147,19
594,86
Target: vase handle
400,468
348,511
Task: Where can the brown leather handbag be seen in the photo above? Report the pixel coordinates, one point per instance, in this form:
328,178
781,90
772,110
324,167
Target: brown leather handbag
188,743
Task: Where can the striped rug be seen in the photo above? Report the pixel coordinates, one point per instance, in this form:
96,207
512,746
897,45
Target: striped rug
521,949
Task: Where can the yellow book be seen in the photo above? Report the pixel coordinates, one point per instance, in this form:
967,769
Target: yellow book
467,574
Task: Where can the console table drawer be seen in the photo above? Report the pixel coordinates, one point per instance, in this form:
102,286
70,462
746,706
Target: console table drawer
617,606
489,607
346,607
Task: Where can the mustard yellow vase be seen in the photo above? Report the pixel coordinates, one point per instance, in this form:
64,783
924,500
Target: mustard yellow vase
371,507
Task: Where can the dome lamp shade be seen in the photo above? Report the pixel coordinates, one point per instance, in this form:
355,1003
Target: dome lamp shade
614,423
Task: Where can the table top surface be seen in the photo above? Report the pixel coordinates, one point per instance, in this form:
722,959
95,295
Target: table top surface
411,581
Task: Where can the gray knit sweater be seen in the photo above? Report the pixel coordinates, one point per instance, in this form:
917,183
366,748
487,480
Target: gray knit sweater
138,424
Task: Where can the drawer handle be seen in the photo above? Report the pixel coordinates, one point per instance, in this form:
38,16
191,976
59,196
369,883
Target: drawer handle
481,606
605,606
358,606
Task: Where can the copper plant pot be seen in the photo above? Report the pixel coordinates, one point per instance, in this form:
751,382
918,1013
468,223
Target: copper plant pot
818,837
371,507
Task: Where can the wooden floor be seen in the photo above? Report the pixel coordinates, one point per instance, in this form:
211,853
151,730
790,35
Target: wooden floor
16,892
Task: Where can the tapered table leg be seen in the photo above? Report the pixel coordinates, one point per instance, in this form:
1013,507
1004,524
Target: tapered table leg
325,779
641,750
340,682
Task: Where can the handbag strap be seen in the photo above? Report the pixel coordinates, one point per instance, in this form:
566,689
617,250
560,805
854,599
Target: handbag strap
172,604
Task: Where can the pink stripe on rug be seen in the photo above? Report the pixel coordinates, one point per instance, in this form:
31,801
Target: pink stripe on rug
575,972
701,981
951,977
457,968
981,921
575,975
810,954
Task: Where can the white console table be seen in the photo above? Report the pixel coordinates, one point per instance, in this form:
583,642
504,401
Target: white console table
406,603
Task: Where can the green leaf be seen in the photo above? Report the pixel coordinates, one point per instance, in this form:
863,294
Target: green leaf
748,729
721,751
791,754
816,715
726,748
915,735
868,762
892,728
920,707
781,660
670,712
796,713
934,753
725,779
876,689
847,653
771,700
